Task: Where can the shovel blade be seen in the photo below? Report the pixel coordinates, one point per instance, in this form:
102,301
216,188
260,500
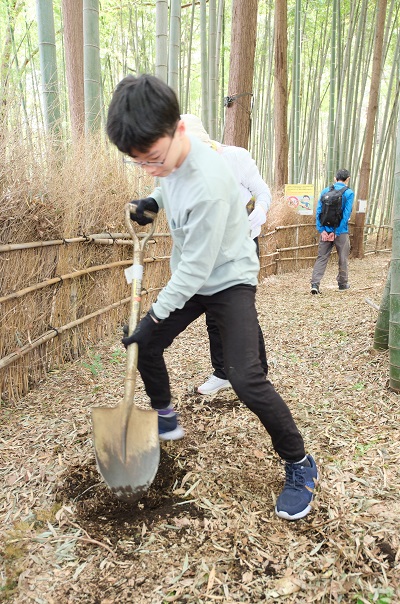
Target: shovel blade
127,449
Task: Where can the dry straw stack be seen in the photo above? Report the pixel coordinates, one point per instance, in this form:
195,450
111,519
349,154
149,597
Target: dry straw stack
63,248
289,241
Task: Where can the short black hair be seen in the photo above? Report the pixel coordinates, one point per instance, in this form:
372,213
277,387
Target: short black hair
142,110
342,175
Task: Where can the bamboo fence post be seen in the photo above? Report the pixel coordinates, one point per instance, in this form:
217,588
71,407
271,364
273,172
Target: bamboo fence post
74,306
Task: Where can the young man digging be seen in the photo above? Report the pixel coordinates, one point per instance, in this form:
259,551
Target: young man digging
214,268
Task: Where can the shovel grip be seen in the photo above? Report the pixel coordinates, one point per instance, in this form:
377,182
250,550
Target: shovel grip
128,210
150,215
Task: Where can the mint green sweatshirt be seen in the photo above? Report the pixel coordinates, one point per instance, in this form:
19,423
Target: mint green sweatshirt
212,248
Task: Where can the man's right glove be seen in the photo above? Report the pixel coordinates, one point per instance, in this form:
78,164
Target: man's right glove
143,331
142,205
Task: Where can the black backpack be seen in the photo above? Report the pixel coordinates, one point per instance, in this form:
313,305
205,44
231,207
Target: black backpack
332,207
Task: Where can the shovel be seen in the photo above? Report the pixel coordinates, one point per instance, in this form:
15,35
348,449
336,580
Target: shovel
125,437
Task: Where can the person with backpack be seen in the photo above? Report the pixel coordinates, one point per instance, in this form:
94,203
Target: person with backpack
332,218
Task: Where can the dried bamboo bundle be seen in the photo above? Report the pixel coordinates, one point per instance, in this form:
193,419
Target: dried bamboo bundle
54,277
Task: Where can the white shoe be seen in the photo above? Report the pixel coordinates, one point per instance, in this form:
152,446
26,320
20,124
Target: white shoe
213,385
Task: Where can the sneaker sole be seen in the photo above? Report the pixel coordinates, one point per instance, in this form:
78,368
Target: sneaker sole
215,390
297,516
176,434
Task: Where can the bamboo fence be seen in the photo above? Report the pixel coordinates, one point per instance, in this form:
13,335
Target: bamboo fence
60,297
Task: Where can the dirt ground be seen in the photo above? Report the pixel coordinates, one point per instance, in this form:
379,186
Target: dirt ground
206,530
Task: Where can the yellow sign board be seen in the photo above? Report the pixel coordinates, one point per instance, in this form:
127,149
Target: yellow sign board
300,197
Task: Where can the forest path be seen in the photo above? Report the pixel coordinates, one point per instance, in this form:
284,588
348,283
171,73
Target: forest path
206,532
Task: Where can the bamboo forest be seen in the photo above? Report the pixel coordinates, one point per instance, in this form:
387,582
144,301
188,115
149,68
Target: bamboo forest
200,301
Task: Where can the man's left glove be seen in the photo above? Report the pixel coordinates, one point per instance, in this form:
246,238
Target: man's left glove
256,219
143,331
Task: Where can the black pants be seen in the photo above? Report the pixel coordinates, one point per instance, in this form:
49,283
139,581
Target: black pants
216,350
235,314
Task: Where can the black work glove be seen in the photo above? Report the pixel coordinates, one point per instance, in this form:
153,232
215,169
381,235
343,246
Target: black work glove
148,204
143,331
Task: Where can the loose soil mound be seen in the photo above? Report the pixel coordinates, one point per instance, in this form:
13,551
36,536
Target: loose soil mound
206,530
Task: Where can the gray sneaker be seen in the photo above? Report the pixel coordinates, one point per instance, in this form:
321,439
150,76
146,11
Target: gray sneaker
315,288
343,286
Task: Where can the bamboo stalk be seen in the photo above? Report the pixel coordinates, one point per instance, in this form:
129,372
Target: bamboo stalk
293,258
268,255
86,271
10,247
49,335
74,305
371,303
298,247
113,238
124,241
292,226
270,264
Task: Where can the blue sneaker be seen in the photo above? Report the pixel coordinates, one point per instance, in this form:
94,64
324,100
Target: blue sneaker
168,425
297,494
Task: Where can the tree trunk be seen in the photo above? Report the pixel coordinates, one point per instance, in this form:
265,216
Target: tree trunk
381,335
212,68
394,314
189,59
220,66
12,13
295,121
162,39
48,65
363,189
333,109
91,51
281,95
204,64
73,40
243,45
174,45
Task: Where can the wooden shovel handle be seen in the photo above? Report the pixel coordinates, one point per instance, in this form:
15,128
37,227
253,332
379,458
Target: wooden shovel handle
135,308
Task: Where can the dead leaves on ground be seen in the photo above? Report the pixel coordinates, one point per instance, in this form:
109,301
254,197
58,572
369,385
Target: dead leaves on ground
208,533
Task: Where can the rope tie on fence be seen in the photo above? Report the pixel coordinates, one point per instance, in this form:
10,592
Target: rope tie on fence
65,241
111,236
86,238
54,329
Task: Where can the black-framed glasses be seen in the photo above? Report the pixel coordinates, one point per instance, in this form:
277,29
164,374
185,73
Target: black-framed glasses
156,163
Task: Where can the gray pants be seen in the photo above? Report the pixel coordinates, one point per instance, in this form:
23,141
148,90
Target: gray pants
342,243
